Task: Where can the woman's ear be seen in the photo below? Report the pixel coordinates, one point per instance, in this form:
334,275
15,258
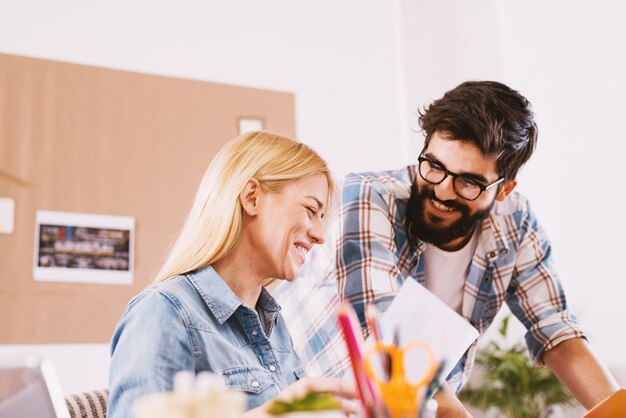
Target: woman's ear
506,190
249,197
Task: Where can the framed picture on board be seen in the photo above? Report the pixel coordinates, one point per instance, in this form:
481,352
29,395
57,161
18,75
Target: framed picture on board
83,248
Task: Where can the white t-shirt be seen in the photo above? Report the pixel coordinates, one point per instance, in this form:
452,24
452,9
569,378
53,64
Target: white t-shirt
445,272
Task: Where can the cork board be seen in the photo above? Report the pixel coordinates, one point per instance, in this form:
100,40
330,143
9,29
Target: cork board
76,138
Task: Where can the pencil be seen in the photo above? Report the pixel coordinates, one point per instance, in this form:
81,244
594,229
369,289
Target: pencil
435,381
372,315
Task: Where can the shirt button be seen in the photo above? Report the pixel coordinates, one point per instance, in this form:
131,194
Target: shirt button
255,333
491,254
272,368
255,384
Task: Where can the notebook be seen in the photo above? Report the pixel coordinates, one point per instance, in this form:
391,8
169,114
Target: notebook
30,388
612,407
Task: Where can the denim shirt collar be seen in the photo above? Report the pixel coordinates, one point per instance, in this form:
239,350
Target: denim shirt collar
220,298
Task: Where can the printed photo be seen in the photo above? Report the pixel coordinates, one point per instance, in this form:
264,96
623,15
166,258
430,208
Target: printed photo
76,247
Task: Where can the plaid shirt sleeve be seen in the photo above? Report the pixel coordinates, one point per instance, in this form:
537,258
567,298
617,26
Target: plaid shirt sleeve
537,297
309,307
359,257
367,256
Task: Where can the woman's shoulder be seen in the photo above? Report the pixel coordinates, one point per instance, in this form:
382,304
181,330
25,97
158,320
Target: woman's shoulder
174,295
200,298
184,295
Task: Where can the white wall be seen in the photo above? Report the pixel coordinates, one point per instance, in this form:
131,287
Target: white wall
336,56
568,58
444,43
359,70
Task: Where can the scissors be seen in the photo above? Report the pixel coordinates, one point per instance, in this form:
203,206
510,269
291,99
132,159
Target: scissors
402,396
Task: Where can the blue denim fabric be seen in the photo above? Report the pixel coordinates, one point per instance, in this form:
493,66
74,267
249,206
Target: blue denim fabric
195,322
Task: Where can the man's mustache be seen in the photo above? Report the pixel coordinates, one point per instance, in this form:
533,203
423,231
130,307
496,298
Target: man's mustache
428,193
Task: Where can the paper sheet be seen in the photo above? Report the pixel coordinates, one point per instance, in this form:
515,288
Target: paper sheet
418,314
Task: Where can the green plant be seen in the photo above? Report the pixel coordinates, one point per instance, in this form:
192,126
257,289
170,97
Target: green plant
312,401
512,384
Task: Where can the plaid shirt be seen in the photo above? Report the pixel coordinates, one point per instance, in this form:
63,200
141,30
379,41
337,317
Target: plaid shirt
370,259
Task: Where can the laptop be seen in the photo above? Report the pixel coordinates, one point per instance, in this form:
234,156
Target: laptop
612,407
29,388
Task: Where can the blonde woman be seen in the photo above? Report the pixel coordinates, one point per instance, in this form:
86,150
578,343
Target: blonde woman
260,208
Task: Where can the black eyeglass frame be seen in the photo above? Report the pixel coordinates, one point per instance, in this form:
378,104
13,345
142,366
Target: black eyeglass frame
454,176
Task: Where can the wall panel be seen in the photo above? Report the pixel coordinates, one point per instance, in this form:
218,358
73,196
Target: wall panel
76,138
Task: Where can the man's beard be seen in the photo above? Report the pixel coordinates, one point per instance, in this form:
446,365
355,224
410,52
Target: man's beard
431,231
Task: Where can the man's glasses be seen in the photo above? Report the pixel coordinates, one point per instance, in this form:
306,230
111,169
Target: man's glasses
464,186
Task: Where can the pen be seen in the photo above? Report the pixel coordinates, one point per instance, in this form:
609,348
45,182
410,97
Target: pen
372,315
436,380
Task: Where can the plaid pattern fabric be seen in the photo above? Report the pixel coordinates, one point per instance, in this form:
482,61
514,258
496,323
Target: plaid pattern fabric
370,258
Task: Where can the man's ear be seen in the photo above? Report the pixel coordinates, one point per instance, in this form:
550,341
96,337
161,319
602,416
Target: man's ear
506,190
249,197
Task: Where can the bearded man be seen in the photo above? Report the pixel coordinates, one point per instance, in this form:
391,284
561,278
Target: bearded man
453,222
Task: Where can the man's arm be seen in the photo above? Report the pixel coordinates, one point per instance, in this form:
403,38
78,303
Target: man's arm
575,365
367,257
448,405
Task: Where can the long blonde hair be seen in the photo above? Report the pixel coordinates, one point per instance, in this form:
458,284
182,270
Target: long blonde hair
214,223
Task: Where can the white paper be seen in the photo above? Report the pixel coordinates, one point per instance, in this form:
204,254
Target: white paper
418,314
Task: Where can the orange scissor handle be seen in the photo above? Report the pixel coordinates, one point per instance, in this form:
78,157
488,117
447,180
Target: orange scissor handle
397,355
401,395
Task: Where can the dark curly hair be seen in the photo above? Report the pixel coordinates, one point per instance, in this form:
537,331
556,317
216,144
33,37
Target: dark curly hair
492,116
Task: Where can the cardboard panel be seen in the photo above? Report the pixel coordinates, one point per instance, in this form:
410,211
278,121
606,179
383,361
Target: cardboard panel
83,139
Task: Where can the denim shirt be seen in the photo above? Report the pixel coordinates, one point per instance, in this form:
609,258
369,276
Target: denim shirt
195,322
